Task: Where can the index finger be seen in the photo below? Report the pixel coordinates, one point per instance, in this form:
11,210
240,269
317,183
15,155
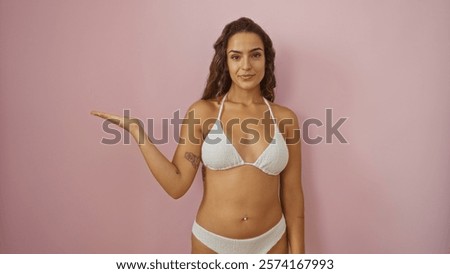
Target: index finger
103,115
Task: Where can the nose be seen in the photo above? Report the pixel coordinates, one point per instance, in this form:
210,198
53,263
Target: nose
246,64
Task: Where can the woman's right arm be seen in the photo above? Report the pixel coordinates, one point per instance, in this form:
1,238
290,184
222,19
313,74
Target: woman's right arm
174,176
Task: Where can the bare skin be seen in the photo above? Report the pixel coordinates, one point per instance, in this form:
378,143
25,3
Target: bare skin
242,202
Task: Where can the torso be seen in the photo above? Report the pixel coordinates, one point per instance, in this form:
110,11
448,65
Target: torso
241,202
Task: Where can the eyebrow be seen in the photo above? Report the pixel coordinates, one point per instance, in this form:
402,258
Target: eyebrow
236,51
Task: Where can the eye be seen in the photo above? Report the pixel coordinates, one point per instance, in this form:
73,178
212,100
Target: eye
257,55
235,57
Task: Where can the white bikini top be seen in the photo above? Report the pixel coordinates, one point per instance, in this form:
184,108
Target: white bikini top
218,153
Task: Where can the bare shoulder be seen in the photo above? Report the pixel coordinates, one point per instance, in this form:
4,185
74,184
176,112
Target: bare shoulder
288,123
204,109
283,112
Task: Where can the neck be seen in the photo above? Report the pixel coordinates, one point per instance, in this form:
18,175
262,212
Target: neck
245,97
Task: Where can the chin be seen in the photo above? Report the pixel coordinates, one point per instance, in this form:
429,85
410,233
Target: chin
248,87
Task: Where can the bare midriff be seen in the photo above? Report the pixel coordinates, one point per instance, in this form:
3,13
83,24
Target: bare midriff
240,202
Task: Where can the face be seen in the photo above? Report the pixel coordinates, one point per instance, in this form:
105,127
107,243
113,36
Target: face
245,60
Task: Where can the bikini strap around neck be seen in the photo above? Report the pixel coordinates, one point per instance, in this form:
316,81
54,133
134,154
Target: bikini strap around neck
221,106
223,101
270,109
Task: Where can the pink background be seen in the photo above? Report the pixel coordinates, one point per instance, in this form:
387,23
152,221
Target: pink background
383,64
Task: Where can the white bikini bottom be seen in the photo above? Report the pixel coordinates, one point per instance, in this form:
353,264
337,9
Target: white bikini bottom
258,245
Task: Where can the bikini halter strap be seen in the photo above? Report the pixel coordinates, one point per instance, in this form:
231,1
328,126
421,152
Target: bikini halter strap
225,96
221,106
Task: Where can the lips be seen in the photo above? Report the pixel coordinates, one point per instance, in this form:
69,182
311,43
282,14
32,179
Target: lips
246,76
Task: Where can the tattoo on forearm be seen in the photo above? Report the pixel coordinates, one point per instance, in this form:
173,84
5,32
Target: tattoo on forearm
191,157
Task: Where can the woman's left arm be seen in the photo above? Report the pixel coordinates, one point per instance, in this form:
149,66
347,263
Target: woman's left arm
291,186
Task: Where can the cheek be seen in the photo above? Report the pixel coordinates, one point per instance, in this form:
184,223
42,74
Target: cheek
263,64
230,65
260,65
232,69
262,68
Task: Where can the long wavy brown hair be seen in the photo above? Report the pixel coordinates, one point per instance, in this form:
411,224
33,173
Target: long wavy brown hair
219,80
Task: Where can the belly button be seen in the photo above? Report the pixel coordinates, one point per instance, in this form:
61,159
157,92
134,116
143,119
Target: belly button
245,218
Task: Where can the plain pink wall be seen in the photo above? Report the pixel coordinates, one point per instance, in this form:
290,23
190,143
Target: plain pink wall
383,64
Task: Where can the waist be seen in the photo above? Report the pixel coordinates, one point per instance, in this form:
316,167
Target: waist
238,222
233,198
240,202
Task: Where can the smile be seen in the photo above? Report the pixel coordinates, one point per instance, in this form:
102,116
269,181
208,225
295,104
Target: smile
247,76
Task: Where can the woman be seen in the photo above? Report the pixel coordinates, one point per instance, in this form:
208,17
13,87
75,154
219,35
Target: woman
253,199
